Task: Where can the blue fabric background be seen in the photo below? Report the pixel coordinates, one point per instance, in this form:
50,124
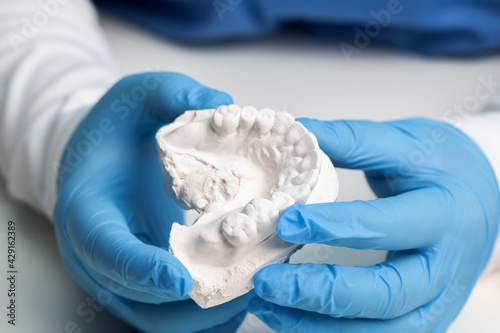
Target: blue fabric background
438,27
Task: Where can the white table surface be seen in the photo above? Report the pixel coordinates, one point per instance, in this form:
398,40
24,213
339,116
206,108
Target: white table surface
305,77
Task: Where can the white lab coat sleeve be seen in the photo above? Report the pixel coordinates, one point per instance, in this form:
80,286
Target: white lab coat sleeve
484,130
54,66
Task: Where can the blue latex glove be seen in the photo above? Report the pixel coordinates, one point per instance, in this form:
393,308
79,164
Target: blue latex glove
438,213
112,218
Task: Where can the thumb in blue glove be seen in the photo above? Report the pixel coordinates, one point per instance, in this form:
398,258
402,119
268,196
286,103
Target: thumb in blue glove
438,214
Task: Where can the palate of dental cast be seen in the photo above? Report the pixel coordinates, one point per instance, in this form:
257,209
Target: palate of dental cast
240,168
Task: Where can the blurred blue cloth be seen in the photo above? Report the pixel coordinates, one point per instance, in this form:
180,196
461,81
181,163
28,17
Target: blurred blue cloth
445,27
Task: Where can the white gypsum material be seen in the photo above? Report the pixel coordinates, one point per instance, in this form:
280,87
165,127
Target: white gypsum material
240,169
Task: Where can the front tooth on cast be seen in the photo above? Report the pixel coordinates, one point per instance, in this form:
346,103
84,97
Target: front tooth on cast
282,123
247,117
264,121
306,143
218,118
294,133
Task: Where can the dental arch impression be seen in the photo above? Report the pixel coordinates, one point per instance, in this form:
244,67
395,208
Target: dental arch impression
240,169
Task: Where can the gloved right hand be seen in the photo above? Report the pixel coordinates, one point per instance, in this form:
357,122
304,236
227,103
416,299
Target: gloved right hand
438,213
112,218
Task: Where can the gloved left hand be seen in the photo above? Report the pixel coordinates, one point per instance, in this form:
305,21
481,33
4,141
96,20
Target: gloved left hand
112,218
438,213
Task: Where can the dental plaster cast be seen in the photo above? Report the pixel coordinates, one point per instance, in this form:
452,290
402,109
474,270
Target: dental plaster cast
240,169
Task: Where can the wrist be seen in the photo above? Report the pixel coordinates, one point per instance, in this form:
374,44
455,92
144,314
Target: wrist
70,116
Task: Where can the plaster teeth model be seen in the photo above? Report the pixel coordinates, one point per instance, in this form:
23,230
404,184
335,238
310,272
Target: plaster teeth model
240,169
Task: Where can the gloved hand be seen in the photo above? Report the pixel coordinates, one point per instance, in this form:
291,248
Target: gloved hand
112,218
438,212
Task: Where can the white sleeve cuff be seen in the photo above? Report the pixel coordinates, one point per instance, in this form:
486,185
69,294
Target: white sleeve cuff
50,80
484,130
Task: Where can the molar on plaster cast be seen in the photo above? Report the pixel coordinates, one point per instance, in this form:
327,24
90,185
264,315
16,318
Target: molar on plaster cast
240,168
